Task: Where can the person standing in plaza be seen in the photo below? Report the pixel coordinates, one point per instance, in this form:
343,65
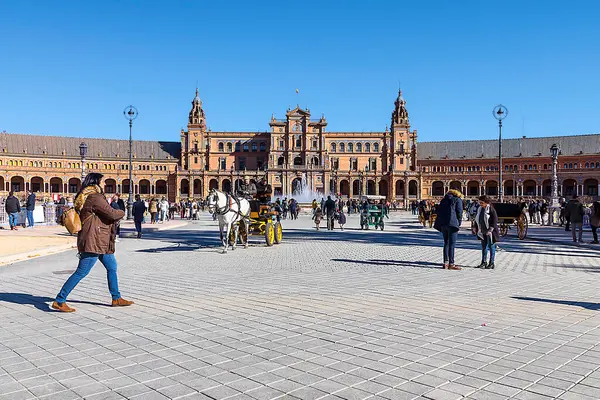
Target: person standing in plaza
30,206
595,221
153,210
486,223
95,241
449,218
115,205
330,212
164,209
574,214
138,211
13,208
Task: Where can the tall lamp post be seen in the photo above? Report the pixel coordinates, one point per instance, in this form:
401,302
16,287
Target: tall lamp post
554,206
83,152
130,113
500,112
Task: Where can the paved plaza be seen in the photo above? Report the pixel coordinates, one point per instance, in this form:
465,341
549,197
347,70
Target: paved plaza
331,315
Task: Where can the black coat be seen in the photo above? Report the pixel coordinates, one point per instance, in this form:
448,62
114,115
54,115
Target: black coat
12,205
449,213
30,205
139,208
493,225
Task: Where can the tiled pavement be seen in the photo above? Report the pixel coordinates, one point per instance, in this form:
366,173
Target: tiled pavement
350,315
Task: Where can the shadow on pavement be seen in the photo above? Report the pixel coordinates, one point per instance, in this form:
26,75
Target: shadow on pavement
420,264
583,304
40,302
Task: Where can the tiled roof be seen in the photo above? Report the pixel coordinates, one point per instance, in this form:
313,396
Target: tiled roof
523,147
21,144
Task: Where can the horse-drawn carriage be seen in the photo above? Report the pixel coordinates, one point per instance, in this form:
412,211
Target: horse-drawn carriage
372,214
240,218
509,215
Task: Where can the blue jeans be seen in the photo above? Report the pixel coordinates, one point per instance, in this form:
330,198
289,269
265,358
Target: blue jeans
138,225
488,245
86,262
30,218
13,219
450,235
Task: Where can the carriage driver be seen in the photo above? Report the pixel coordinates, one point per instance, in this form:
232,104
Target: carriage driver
247,190
263,191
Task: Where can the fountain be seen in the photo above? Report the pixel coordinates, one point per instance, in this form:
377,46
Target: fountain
303,193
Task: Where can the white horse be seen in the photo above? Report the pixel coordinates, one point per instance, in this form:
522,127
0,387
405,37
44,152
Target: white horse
229,211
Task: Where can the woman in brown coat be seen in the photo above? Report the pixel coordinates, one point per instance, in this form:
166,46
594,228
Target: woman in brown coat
95,241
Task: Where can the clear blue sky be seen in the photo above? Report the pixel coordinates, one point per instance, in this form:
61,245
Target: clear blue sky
70,67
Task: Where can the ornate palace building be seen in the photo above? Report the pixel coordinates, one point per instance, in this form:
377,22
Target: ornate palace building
298,150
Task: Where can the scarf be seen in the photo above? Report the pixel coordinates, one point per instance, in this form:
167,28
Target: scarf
483,221
82,196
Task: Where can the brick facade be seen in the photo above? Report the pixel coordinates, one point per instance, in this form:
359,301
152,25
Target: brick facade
390,163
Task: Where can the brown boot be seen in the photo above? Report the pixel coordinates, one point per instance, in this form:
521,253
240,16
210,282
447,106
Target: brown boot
453,267
445,265
121,302
62,307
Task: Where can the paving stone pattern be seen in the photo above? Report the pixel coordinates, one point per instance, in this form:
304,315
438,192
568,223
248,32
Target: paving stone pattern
325,315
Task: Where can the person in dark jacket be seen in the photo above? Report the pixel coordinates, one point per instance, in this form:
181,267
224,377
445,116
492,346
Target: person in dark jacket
486,225
13,208
448,220
30,206
138,210
330,212
95,241
115,204
574,213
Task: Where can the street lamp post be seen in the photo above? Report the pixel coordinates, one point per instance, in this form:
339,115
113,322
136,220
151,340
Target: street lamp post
83,152
554,206
130,113
500,112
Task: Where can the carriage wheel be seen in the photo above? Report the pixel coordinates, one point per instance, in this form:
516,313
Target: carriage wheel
278,233
522,227
269,234
503,229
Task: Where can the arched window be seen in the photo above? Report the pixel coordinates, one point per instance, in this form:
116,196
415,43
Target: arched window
376,147
342,147
229,147
535,167
254,147
332,147
516,167
570,165
358,147
367,147
246,147
10,163
350,147
262,146
587,165
238,146
221,147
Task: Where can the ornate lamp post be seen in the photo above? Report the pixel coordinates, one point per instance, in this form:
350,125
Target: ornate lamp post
130,114
500,112
83,152
554,206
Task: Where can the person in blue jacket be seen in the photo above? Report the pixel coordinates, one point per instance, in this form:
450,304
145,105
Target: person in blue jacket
449,217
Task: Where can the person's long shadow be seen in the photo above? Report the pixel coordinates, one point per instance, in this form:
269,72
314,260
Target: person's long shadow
40,302
420,264
583,304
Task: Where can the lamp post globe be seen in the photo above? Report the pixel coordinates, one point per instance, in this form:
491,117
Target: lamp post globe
130,113
500,112
83,153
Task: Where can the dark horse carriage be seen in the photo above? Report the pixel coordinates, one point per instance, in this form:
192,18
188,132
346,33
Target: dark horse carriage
508,215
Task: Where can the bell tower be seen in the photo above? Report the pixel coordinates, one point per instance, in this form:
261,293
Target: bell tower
403,141
193,141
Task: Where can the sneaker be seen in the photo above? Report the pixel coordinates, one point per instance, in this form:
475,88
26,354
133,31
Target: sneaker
62,307
121,302
483,265
454,267
490,266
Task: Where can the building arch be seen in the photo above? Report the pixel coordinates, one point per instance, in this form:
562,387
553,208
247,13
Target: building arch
2,184
383,188
315,161
161,186
456,185
491,188
509,188
144,186
74,185
400,188
569,187
437,189
197,187
110,186
473,188
221,147
342,147
36,184
213,184
413,189
529,188
229,147
590,187
333,147
298,161
184,187
280,160
370,187
345,187
226,185
356,188
547,187
17,184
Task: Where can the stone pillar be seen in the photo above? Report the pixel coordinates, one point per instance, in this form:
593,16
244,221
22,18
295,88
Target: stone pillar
377,187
